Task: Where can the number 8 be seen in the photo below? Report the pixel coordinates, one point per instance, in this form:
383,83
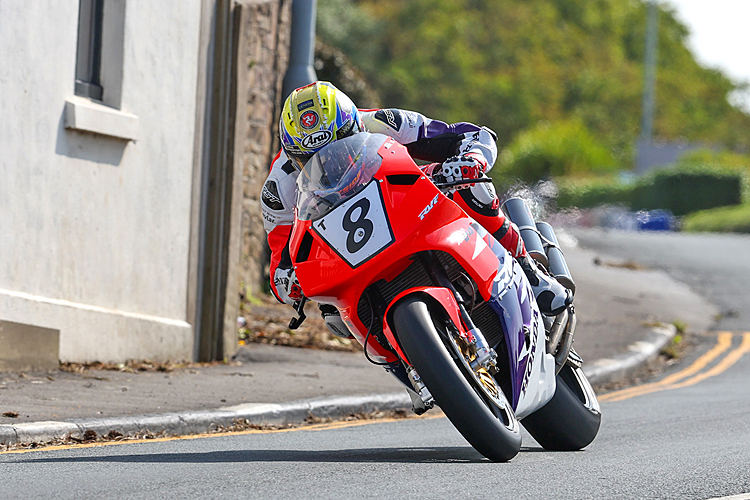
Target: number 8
355,241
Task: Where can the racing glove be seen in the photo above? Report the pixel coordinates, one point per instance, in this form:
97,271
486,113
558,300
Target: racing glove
287,285
459,168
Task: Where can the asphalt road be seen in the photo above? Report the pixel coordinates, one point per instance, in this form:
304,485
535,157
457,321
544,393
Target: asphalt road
716,266
685,436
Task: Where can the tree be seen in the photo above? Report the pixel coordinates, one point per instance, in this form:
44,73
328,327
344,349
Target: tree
510,64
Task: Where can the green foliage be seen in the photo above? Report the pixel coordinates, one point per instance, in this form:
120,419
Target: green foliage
588,193
333,66
565,148
734,219
510,64
681,190
681,328
687,189
722,160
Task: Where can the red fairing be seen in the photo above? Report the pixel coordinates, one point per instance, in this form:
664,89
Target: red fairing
420,219
444,297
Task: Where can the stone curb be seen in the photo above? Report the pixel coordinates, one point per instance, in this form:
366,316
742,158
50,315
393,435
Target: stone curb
602,371
174,424
639,355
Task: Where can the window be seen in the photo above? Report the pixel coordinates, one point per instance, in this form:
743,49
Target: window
89,58
96,106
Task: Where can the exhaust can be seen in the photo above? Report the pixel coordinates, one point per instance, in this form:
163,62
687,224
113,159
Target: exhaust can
519,213
558,267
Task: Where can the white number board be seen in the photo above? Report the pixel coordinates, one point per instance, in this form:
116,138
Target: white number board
358,228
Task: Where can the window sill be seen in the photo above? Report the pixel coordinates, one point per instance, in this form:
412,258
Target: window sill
83,114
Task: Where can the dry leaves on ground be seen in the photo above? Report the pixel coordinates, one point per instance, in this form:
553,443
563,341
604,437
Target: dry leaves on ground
267,322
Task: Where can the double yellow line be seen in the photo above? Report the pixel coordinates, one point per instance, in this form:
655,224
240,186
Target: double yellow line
692,374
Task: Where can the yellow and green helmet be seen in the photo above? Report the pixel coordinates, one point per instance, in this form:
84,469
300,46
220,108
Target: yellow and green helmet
314,116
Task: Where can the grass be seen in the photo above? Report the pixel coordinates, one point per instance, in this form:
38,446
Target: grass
674,349
680,326
734,219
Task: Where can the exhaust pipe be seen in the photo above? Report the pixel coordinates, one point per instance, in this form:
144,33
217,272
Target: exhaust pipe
556,332
567,341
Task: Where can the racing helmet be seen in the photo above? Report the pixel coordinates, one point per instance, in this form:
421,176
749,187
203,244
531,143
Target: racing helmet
314,116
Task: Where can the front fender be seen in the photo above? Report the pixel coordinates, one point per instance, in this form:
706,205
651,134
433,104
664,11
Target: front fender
439,295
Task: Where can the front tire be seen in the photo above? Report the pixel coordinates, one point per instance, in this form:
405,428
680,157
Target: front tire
492,431
570,420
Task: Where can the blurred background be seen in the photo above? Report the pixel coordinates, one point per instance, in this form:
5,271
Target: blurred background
642,105
136,136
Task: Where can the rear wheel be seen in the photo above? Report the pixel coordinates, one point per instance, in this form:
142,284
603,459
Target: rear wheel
471,400
570,420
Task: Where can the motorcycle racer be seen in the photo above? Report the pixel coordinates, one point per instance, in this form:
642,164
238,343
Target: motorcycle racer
315,115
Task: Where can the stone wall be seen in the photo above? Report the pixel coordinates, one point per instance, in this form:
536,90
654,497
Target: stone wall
263,54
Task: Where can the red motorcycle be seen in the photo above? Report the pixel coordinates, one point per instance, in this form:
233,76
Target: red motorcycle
434,298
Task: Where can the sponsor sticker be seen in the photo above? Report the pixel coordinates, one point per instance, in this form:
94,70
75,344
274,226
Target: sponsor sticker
429,207
345,130
391,117
304,105
270,196
317,139
309,119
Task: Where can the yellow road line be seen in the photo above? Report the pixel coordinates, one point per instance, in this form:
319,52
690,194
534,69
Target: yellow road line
315,427
722,365
724,343
673,381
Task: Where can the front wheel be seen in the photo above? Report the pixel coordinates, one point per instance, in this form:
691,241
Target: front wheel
570,420
480,413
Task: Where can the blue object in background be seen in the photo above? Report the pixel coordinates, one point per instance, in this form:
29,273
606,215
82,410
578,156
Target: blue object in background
656,220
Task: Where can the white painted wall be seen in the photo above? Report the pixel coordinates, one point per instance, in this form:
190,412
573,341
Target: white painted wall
94,230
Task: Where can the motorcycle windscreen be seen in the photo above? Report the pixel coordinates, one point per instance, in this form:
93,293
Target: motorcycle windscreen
336,173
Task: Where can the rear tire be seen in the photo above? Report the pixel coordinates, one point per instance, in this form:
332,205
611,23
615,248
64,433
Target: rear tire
570,420
456,392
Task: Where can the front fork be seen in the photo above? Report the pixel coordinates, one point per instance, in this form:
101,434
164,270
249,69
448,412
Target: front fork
485,356
475,352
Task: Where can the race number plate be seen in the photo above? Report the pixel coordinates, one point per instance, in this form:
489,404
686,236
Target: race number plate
358,229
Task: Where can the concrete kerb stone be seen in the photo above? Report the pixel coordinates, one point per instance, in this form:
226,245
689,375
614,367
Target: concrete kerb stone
344,405
174,424
639,355
8,434
36,432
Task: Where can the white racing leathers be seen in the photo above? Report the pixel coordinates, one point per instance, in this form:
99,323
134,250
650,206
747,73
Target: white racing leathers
425,139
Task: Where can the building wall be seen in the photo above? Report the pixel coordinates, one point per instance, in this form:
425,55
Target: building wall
95,230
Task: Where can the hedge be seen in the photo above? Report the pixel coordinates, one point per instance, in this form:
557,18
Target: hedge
734,219
593,192
681,191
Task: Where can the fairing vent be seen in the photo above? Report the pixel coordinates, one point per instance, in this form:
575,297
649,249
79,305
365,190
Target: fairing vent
486,320
415,275
304,247
402,179
384,292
